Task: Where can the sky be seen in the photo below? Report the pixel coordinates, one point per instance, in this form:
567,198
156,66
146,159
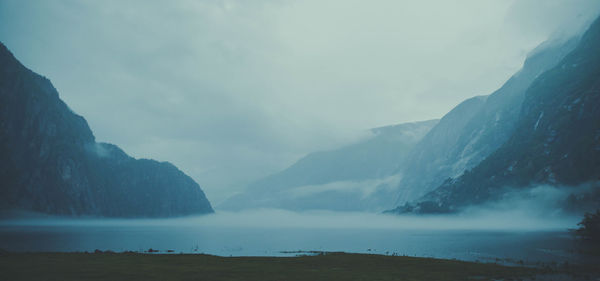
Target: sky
230,91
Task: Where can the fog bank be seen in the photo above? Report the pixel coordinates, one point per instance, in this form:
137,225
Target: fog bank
484,219
230,91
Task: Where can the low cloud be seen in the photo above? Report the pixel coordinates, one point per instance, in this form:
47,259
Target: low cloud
365,187
515,220
230,91
544,201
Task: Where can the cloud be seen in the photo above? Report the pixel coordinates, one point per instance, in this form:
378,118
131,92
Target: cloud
230,91
543,201
551,18
364,187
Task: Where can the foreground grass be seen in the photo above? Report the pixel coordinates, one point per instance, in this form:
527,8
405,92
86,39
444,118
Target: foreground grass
332,266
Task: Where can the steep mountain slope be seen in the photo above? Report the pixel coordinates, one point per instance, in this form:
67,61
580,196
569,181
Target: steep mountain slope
475,128
556,140
51,163
356,177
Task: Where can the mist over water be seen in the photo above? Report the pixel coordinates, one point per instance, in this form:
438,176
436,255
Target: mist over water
527,210
275,218
525,224
474,235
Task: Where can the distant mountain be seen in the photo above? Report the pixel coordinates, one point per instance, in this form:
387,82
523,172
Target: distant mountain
475,128
362,176
51,163
556,140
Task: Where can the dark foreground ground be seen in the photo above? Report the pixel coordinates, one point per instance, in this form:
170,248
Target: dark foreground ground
330,266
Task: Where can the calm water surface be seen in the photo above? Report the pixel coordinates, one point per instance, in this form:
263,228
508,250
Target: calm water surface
265,234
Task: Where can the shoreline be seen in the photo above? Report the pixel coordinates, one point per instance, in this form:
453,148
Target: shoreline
316,266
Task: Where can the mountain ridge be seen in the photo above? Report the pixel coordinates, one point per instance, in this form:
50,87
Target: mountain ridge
358,176
556,140
475,128
52,163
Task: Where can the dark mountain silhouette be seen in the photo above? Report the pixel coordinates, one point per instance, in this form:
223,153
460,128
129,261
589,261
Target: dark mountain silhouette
51,163
556,140
475,128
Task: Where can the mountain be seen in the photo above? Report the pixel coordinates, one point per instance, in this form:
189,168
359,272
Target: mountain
475,128
556,140
361,176
52,164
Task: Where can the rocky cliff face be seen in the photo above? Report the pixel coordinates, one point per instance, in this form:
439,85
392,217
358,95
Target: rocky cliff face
556,140
51,163
361,176
475,128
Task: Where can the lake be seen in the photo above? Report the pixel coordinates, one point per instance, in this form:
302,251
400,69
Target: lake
283,233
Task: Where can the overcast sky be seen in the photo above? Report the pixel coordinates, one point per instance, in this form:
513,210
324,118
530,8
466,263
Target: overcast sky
230,91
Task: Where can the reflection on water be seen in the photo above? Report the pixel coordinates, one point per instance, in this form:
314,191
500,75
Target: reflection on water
273,233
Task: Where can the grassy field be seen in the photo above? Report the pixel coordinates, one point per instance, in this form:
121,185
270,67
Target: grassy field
331,266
